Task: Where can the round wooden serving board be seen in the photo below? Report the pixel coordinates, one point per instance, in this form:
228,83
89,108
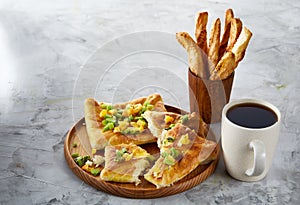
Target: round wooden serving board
145,189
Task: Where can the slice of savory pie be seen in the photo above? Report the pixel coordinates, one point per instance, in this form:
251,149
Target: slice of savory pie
160,122
108,124
125,163
182,150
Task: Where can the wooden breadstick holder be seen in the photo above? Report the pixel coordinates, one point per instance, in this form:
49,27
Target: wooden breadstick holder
208,97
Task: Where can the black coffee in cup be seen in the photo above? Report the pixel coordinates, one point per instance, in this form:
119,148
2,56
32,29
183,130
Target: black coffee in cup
252,115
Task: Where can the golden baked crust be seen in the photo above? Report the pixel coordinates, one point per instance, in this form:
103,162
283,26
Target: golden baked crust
190,151
157,121
160,121
121,168
100,138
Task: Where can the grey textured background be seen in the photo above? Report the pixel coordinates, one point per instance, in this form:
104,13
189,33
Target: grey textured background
53,54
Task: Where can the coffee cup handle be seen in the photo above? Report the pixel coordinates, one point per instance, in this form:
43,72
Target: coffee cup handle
259,153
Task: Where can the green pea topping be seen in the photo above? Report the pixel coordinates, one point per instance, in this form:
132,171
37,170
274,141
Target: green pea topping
169,160
80,161
174,152
95,171
107,106
184,119
108,126
74,155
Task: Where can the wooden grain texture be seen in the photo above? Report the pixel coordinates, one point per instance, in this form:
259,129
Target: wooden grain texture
145,189
208,97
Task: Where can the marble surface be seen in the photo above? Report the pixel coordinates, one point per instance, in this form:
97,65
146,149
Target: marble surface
54,54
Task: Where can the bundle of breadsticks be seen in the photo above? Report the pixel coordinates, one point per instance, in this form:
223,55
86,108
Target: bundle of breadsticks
217,58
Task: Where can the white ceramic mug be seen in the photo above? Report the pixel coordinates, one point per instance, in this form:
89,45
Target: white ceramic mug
248,152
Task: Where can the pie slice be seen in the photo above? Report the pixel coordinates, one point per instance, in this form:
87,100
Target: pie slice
108,124
182,150
125,163
158,122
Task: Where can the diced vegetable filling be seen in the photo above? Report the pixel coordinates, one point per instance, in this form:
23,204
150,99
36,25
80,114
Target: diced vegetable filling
125,121
170,156
89,164
184,119
122,154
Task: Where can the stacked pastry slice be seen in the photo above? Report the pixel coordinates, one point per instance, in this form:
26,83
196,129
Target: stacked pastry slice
181,148
125,163
108,124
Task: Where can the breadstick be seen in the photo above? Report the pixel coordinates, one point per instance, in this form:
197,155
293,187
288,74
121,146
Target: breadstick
239,48
235,30
214,45
225,67
223,45
194,53
200,31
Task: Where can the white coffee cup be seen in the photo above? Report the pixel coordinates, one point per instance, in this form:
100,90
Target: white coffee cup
248,152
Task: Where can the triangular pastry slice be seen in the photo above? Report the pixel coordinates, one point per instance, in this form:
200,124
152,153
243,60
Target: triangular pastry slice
125,163
159,122
108,124
182,150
